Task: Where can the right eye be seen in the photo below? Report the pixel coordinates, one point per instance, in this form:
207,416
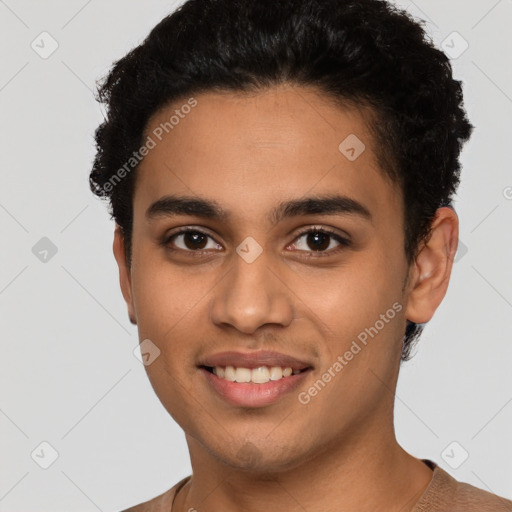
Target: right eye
189,240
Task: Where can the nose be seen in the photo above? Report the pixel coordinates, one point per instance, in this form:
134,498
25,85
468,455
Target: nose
251,295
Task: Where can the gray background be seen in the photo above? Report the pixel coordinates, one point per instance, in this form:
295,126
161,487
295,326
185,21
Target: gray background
68,375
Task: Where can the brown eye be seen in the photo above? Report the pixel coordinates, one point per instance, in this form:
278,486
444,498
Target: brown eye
320,240
190,241
194,240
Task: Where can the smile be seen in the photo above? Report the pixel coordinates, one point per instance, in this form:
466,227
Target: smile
260,375
257,387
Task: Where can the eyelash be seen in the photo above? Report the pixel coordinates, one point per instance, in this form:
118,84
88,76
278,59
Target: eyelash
344,242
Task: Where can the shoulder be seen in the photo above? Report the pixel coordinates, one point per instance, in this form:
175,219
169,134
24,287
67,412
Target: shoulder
446,494
161,503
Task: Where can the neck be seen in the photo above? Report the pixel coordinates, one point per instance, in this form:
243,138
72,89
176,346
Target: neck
366,470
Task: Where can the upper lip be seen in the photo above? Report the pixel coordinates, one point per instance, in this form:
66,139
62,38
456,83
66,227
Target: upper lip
253,360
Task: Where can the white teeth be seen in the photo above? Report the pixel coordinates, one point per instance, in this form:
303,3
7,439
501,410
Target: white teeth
243,375
276,373
229,373
260,375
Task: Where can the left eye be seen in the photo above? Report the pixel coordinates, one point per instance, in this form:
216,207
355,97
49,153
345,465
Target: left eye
319,240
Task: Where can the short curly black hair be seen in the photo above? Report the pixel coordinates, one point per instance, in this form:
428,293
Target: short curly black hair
364,52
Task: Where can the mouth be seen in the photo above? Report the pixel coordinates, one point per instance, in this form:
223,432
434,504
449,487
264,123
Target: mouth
259,375
253,380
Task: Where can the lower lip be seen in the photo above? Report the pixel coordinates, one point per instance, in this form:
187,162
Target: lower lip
248,394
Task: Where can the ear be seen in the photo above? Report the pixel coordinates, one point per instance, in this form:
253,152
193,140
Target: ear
430,273
124,272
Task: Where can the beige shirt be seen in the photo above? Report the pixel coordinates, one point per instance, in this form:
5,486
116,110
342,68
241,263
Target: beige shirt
443,494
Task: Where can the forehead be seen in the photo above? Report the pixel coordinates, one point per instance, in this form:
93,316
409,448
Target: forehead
249,150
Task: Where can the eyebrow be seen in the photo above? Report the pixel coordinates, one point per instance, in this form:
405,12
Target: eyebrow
172,205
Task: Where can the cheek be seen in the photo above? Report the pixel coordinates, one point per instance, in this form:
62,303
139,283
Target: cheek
359,312
352,297
161,293
165,300
171,314
362,324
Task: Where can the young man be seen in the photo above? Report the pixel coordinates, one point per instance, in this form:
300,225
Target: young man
280,174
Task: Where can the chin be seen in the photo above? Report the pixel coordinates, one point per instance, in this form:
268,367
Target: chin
260,459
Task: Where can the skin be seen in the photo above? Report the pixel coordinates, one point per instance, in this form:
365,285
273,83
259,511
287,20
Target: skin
249,152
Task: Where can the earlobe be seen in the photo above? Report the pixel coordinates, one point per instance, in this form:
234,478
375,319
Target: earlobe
124,272
430,272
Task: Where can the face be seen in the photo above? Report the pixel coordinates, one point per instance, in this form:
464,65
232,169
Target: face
295,246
